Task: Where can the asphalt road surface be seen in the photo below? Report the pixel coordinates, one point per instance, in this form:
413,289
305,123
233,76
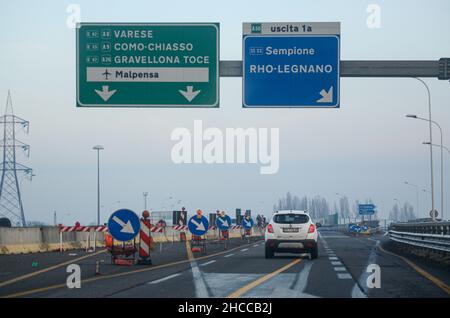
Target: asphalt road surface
239,271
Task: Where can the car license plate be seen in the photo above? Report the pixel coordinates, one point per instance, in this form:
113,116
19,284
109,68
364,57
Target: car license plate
290,230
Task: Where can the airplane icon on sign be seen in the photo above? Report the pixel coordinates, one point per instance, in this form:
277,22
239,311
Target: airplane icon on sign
106,74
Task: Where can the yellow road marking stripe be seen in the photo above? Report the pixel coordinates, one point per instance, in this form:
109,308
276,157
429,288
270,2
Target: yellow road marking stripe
422,272
189,250
33,291
17,279
262,279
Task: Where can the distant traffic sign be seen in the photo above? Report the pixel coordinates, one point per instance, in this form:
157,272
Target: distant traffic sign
223,223
124,225
198,226
436,213
247,224
291,64
148,64
366,209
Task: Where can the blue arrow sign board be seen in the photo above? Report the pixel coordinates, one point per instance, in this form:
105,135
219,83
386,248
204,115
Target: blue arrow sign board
223,223
198,226
124,225
247,224
366,209
291,65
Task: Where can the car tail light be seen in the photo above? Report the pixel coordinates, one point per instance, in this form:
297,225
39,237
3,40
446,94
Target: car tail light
270,228
312,228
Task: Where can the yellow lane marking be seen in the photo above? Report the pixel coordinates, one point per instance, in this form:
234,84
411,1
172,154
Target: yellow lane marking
422,272
17,279
33,291
189,250
262,279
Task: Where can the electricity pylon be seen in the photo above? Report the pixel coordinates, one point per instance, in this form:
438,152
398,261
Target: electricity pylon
11,205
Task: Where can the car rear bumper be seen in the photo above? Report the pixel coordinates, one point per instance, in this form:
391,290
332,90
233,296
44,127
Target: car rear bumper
291,246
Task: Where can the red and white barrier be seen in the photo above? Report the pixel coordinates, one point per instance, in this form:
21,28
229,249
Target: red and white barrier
236,227
101,228
79,228
157,229
213,227
180,227
145,241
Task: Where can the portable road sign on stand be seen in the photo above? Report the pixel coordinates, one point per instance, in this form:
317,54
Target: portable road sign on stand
124,225
198,227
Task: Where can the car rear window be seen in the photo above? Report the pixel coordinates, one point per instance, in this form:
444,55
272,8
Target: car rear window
291,218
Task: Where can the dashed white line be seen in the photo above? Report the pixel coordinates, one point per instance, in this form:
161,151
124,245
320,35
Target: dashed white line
336,263
344,276
164,279
340,269
228,255
207,263
256,245
333,258
245,249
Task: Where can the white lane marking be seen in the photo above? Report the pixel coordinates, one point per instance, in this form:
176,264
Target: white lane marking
361,290
164,279
207,263
228,255
333,258
340,269
344,276
245,249
200,286
302,281
336,263
256,245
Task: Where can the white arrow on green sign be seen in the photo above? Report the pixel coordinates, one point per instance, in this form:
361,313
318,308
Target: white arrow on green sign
148,65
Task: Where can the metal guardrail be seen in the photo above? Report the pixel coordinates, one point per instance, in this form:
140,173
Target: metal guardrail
433,236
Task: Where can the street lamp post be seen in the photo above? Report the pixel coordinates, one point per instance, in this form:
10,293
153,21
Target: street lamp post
431,147
145,200
98,148
442,147
417,195
442,157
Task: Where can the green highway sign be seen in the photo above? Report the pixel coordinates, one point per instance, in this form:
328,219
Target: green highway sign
148,65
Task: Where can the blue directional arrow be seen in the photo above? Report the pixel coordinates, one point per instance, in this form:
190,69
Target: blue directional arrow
198,226
124,225
223,223
247,223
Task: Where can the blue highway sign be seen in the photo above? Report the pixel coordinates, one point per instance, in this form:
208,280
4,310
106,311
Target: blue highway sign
291,65
198,226
124,225
366,209
223,223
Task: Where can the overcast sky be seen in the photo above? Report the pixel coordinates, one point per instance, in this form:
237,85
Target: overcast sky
364,149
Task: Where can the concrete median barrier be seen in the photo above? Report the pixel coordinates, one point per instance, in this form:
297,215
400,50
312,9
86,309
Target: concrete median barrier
46,239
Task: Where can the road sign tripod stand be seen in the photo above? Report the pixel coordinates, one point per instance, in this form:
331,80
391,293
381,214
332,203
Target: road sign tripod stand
125,254
198,244
224,235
